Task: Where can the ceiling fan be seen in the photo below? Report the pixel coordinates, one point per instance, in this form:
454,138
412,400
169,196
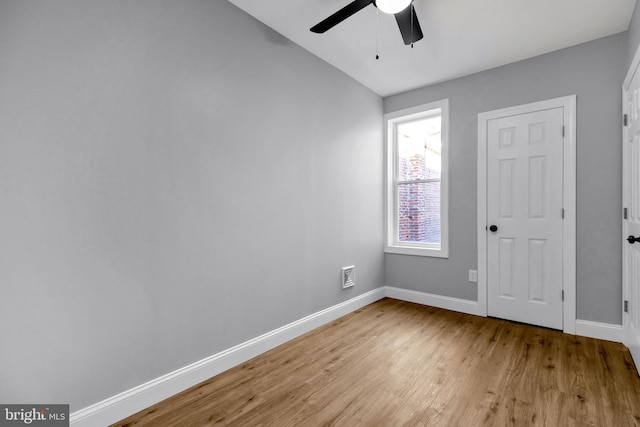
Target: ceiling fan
402,9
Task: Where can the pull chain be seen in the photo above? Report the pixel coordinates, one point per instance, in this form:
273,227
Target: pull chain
377,35
411,6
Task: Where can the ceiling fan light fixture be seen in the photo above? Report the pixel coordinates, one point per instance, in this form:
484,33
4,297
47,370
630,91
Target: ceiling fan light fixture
392,6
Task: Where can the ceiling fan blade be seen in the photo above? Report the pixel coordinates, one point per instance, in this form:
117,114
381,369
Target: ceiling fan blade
340,15
409,25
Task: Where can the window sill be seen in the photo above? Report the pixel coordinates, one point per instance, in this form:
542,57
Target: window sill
416,251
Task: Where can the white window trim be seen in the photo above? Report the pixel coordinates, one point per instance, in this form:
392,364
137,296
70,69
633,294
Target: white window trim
391,242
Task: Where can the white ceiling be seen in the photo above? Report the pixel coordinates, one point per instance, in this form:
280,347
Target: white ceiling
461,37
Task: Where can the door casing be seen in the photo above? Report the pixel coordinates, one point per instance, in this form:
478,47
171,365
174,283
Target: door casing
568,103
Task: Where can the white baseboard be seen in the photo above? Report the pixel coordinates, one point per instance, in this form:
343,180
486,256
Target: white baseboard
632,342
601,331
585,328
125,404
433,300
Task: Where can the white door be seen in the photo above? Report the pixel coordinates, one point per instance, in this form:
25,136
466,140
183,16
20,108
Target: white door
631,209
525,217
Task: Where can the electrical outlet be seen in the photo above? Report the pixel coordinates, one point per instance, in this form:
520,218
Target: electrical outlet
473,275
348,276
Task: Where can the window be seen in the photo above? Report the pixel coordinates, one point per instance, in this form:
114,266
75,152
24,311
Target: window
416,172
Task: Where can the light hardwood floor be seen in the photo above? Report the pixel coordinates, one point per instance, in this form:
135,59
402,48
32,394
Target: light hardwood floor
394,363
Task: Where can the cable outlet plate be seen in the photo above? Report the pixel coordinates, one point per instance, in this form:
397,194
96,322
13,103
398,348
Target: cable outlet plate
473,275
348,277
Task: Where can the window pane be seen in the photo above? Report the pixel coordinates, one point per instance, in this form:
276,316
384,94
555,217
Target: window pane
419,212
419,149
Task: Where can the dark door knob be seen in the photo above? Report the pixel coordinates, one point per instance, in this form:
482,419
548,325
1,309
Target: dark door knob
493,228
632,239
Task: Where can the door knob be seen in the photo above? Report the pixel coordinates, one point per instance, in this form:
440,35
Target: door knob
493,228
632,239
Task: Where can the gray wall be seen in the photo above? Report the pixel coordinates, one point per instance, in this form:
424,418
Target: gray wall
594,72
633,35
175,179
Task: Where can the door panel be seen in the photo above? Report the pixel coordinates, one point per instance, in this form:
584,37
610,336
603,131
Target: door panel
505,269
505,186
537,184
524,201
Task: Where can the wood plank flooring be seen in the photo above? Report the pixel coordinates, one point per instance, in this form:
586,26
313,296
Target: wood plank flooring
395,363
